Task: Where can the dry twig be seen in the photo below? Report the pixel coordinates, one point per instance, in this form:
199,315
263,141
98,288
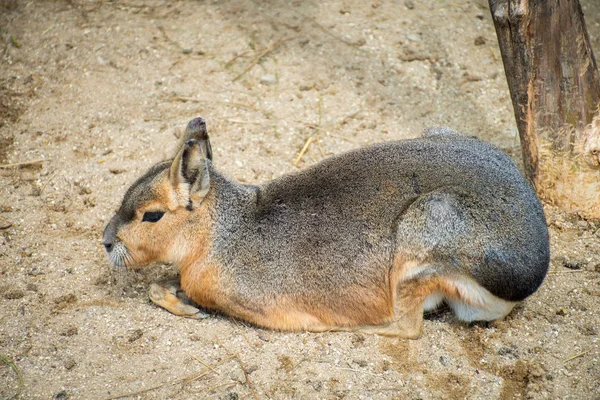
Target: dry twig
247,379
577,355
303,151
187,379
206,365
257,59
14,367
327,31
24,163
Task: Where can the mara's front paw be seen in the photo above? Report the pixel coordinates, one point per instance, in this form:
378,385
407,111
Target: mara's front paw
168,295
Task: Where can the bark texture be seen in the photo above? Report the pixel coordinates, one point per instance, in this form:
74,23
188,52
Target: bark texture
555,91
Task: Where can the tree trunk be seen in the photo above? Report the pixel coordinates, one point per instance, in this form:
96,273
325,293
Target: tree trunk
555,91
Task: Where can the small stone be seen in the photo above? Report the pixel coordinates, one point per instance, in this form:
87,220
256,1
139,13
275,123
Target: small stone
62,395
264,336
286,363
303,41
581,224
70,364
479,41
35,271
413,37
360,363
231,396
71,331
472,78
268,80
89,202
573,264
409,4
237,376
251,368
14,294
358,339
4,224
66,299
304,88
135,335
562,312
588,329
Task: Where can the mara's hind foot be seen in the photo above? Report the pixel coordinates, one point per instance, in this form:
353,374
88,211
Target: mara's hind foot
407,326
168,295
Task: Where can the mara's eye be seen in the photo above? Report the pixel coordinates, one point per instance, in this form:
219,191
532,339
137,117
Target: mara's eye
152,216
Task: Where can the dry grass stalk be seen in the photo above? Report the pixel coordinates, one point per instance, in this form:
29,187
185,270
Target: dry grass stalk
23,164
248,382
206,365
303,151
257,59
14,367
187,379
577,355
314,138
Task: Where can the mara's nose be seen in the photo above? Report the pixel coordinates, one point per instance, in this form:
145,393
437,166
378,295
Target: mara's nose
108,246
108,238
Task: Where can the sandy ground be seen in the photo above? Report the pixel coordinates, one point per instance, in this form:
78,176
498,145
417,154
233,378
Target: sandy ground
98,90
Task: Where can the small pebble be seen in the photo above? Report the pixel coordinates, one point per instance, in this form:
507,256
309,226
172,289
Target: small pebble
409,4
62,395
413,37
479,41
70,364
71,331
4,224
264,336
135,335
268,80
14,294
66,299
573,264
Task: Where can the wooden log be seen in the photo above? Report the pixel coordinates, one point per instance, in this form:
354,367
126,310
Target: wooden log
555,90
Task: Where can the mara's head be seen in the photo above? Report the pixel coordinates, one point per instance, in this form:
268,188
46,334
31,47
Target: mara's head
157,211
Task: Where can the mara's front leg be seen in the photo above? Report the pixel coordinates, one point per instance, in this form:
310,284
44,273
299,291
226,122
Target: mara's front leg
169,295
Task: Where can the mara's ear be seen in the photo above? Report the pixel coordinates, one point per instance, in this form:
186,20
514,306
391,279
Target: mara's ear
196,129
189,173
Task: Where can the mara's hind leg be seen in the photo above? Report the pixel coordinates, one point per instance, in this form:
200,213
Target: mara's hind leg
408,312
168,295
469,301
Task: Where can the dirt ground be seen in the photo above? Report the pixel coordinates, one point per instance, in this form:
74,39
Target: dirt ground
94,92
